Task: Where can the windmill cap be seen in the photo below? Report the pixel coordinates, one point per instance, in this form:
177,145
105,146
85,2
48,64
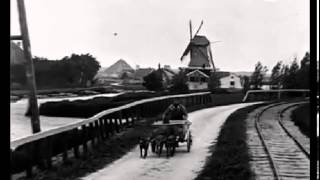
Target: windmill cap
200,40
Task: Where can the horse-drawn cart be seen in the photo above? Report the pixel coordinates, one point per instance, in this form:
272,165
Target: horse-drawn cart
174,131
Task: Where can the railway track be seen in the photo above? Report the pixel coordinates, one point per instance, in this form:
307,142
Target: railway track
276,154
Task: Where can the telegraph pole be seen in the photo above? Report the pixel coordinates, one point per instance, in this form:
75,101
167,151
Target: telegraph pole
33,104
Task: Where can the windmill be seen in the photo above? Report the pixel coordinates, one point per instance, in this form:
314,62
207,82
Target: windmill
200,50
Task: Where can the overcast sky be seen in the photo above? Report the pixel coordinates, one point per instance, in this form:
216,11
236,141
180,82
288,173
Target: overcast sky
157,31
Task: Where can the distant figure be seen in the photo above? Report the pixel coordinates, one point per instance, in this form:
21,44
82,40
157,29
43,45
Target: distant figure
176,111
115,34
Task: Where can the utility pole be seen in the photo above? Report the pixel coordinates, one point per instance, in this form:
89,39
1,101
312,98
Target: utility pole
33,104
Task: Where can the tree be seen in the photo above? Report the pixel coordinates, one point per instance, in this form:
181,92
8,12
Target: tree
284,73
214,82
303,74
276,74
246,84
87,67
153,81
179,83
290,76
258,75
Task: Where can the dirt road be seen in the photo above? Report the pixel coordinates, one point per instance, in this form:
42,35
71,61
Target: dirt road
205,128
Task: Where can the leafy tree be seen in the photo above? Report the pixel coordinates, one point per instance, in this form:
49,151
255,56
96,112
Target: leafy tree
303,75
179,83
214,81
153,81
258,75
276,74
284,73
73,71
290,76
246,84
86,67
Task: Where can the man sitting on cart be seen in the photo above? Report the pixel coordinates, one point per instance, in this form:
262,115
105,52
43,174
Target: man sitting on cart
176,111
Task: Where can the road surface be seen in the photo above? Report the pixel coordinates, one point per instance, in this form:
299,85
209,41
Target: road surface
206,124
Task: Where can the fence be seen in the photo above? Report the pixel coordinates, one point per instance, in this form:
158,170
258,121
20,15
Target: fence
39,149
275,94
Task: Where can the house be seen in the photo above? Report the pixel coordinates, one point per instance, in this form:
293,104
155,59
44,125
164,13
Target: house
230,81
197,79
136,77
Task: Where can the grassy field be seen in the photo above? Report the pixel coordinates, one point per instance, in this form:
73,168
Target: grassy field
230,159
301,117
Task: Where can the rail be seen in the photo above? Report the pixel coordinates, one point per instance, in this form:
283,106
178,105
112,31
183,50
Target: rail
38,149
302,148
270,157
263,139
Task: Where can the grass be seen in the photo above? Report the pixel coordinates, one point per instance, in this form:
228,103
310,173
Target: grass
301,118
229,157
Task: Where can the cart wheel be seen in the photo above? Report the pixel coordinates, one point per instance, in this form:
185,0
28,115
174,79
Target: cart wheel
189,142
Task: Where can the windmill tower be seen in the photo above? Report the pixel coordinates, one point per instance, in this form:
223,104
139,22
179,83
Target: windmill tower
200,51
201,63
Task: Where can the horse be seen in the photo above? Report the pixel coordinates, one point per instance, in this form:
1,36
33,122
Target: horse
144,145
170,145
157,144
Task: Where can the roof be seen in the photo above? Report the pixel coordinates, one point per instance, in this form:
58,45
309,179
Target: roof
195,71
142,72
222,74
200,41
115,70
16,54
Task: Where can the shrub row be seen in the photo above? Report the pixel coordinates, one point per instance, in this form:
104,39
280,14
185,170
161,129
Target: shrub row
301,117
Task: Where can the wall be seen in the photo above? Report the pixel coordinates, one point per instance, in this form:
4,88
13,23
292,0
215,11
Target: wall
197,85
225,82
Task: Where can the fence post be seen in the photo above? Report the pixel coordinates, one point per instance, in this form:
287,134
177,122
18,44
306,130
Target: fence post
91,132
97,131
65,146
84,139
76,143
49,152
106,127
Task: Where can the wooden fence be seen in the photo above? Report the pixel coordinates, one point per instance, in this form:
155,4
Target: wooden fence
273,94
40,148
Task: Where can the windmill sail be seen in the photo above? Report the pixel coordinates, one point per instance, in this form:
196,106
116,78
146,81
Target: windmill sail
186,51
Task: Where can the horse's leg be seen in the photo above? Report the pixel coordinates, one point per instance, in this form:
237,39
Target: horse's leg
140,151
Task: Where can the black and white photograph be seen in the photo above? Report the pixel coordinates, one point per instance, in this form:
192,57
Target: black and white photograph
163,90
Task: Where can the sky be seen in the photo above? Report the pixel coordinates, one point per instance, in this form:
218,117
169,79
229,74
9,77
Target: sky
150,32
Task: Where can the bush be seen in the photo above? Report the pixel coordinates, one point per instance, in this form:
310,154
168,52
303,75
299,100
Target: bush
90,107
301,117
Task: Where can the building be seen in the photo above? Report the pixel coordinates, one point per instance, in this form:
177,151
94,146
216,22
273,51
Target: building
199,68
197,80
230,81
